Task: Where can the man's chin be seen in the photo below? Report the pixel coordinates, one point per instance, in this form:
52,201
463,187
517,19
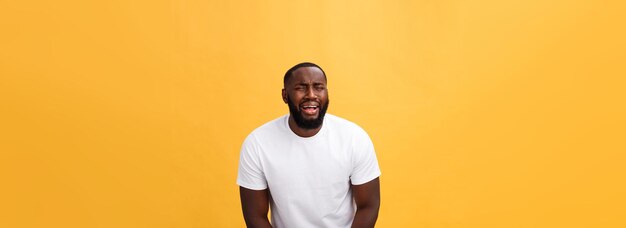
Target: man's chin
308,122
309,118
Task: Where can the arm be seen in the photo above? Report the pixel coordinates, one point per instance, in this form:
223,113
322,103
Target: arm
367,199
255,205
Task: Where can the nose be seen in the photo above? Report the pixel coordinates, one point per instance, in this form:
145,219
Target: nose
310,93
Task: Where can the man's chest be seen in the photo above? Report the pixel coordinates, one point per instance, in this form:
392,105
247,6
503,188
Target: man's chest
307,165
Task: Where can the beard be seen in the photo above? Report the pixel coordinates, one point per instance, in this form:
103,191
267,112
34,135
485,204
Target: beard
298,117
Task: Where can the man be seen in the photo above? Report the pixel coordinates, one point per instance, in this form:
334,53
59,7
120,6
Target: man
313,169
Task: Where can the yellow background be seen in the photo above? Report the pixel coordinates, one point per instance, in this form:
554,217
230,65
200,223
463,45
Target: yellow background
483,113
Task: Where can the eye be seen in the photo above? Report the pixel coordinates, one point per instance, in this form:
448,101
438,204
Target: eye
319,87
299,88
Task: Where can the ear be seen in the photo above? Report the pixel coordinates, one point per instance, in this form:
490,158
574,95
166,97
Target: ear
284,96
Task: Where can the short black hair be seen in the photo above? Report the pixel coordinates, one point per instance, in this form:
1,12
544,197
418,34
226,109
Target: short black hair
289,72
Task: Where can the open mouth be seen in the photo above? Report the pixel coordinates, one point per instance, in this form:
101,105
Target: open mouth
309,109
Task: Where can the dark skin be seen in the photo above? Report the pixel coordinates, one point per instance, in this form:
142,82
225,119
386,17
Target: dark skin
367,199
307,88
255,205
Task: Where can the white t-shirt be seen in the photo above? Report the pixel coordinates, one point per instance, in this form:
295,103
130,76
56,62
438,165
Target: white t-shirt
308,178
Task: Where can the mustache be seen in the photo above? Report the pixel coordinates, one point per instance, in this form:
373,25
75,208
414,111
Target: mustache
310,100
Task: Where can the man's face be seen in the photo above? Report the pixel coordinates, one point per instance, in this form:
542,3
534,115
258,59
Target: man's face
307,97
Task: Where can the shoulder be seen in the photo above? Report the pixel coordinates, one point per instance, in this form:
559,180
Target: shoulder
344,126
270,129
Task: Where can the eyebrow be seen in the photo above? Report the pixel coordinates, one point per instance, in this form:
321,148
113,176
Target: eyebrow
306,83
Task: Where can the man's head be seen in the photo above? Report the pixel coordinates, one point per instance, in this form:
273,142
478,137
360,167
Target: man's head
306,94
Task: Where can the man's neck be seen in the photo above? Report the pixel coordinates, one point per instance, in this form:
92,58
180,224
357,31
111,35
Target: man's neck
302,132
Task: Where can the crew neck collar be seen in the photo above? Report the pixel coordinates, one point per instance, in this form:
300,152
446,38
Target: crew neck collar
294,135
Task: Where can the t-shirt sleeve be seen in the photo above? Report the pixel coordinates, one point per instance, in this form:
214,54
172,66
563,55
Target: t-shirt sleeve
364,162
250,174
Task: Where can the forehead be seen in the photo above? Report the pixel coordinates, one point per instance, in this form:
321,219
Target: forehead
307,75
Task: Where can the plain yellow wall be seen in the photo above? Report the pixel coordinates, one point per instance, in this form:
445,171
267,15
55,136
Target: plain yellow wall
483,113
